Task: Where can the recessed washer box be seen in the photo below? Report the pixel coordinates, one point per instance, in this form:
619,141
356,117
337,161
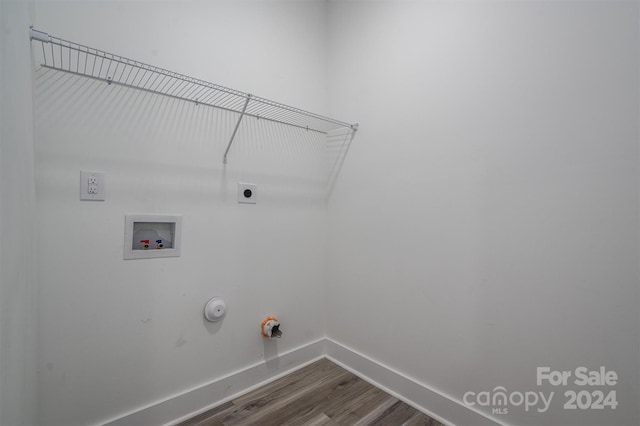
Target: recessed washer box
152,235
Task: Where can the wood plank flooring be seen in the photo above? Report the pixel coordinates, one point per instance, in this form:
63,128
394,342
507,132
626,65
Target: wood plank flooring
321,394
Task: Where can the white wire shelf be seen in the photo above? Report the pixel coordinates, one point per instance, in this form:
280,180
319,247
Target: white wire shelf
78,59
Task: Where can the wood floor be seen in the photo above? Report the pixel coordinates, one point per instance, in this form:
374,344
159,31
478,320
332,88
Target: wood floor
319,394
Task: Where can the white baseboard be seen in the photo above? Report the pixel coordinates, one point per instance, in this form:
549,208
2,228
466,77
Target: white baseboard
181,407
437,405
193,402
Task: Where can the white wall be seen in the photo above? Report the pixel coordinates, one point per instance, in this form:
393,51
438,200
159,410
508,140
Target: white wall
490,200
118,335
486,219
17,201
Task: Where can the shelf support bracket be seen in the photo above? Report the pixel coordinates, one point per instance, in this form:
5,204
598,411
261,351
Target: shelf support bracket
39,35
233,135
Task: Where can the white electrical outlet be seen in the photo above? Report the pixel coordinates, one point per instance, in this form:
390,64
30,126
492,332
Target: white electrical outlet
247,193
92,186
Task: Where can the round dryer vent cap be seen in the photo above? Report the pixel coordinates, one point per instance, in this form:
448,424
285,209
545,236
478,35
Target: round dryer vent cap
215,309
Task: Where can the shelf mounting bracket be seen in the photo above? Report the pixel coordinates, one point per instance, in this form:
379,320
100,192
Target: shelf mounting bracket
233,135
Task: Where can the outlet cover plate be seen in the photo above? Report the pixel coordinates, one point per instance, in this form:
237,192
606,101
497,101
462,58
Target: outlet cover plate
247,193
92,186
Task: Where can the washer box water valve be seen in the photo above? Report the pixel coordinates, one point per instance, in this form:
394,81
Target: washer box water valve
152,235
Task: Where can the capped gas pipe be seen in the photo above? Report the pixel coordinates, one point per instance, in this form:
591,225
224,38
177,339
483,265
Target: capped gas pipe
270,328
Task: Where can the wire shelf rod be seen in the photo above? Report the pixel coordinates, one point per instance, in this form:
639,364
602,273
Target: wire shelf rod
199,103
